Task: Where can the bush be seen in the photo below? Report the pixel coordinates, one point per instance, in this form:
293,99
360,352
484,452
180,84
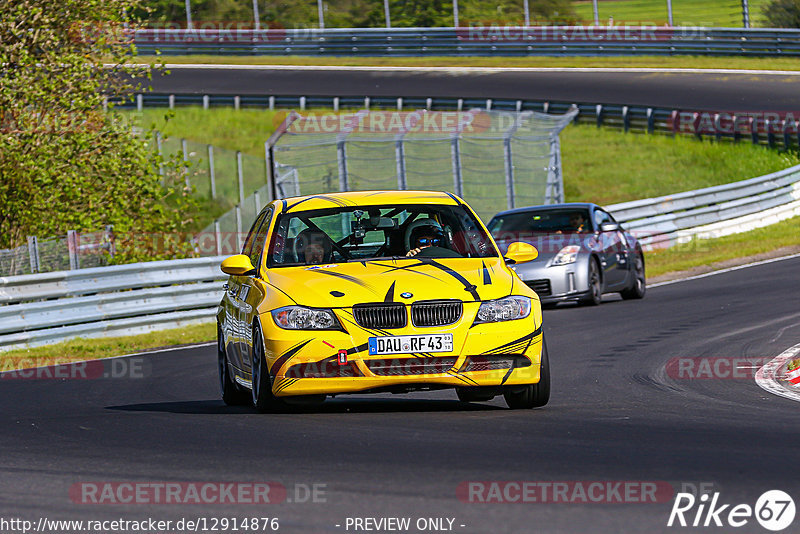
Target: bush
782,14
66,163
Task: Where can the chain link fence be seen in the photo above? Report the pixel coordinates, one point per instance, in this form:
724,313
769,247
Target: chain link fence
60,253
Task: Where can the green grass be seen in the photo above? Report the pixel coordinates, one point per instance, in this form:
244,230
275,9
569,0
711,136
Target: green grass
707,252
693,62
94,348
720,13
606,166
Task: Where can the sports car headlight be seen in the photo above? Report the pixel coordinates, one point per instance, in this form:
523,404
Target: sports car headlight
301,318
567,255
506,309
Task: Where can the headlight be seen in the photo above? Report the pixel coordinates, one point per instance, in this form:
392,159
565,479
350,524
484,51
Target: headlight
506,309
300,318
567,255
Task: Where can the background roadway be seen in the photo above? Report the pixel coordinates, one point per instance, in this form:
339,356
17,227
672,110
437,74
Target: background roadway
614,415
680,90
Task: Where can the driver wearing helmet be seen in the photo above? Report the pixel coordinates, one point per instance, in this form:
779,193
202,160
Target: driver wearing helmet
422,234
312,247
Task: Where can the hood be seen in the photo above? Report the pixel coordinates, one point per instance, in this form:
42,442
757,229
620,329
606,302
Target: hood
345,284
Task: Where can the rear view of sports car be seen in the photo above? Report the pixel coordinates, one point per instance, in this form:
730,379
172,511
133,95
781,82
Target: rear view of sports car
583,252
383,291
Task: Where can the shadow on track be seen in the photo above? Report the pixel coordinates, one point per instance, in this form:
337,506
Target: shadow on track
330,406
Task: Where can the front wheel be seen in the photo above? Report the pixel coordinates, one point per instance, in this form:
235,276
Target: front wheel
531,395
263,399
637,290
595,295
231,394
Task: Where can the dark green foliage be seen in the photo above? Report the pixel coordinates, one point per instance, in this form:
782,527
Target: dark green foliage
782,14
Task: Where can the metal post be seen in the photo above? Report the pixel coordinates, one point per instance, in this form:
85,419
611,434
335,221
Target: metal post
270,171
527,13
33,252
626,122
596,15
651,121
160,157
257,201
171,101
455,155
256,17
112,248
320,15
599,114
238,227
237,100
241,176
139,102
745,13
206,101
211,175
72,247
508,163
188,14
341,156
554,191
669,12
455,13
185,164
400,158
218,237
386,14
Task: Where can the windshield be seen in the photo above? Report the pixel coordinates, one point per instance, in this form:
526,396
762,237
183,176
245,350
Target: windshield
366,233
552,221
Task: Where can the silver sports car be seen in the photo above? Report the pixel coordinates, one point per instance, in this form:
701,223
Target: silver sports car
583,252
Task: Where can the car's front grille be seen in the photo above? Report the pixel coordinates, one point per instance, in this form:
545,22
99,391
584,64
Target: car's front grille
410,366
436,312
380,315
542,287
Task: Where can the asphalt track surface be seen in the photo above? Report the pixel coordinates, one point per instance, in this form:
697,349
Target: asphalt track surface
712,91
614,415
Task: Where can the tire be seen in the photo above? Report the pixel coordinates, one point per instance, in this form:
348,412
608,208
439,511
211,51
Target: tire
231,394
639,287
595,296
262,398
476,394
531,395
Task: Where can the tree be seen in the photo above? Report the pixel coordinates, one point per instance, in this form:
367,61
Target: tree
782,13
66,163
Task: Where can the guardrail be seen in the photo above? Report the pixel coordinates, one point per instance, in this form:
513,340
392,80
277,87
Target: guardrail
713,211
473,41
778,131
118,300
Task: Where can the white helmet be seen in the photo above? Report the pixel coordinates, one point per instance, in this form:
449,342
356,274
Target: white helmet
417,227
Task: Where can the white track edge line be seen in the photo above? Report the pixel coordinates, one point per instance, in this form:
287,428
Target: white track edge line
722,271
766,376
154,351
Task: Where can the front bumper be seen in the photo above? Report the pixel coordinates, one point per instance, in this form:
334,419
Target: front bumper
495,354
558,283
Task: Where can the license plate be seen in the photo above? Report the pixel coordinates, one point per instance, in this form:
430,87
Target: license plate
411,344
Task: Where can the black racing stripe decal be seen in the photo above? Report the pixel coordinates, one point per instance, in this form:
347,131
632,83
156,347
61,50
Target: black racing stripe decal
409,268
458,202
284,205
508,374
390,294
285,356
463,378
467,286
285,384
487,279
343,277
526,339
332,200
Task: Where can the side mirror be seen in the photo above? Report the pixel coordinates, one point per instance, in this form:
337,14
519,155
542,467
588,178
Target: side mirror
609,227
238,265
519,252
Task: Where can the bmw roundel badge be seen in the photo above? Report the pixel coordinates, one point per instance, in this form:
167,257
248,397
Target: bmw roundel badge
406,295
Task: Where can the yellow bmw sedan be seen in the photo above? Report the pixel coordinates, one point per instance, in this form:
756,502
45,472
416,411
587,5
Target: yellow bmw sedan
377,291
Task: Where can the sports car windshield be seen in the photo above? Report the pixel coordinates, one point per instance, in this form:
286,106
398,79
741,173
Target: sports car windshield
365,233
557,221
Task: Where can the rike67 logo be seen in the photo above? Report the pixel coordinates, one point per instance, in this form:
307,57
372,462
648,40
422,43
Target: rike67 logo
774,510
